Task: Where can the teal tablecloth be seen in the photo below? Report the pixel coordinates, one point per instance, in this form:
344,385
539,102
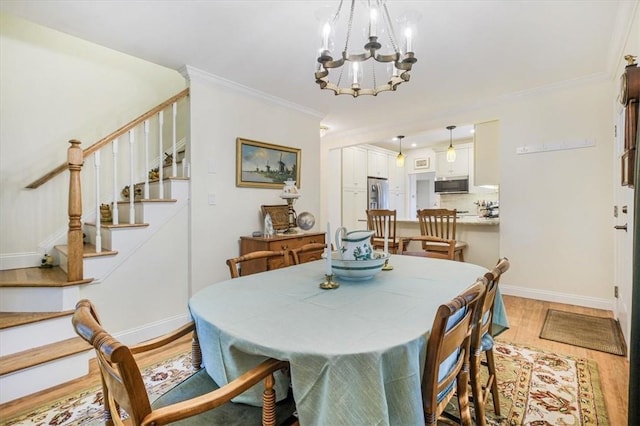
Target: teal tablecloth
356,352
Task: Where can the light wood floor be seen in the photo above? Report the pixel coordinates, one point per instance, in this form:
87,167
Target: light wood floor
526,317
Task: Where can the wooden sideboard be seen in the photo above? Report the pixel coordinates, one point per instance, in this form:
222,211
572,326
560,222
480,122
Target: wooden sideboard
250,244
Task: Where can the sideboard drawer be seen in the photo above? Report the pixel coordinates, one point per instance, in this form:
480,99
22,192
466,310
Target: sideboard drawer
250,244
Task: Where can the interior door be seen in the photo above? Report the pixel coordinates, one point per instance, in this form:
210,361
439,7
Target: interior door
623,236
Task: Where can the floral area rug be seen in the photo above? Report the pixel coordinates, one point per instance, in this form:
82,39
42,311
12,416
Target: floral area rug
542,388
86,407
536,388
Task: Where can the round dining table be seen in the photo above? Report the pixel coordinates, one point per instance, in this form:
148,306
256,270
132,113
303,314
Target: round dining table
356,352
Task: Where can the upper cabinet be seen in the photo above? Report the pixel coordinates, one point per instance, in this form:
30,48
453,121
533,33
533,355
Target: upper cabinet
354,168
377,165
487,153
397,174
460,167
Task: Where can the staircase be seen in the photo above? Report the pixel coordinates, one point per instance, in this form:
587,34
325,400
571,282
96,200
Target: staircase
38,347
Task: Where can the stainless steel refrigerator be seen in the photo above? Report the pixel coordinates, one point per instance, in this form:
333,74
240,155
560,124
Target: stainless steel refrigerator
378,189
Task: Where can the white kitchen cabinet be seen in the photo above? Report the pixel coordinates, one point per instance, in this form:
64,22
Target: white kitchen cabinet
486,153
397,175
460,167
354,168
397,203
377,164
354,209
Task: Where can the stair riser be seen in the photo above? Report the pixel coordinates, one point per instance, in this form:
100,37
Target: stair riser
35,379
154,191
27,336
38,299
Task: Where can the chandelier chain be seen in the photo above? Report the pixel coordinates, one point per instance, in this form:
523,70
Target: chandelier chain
392,34
346,43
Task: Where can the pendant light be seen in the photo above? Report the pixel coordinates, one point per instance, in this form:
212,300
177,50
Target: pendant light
451,151
400,157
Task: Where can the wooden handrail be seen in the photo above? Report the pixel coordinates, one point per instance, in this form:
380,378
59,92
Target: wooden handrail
107,139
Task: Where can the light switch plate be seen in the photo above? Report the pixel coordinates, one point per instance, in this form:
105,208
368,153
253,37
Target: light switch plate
212,199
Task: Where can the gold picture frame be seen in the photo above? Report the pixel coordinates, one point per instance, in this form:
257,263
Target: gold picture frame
266,165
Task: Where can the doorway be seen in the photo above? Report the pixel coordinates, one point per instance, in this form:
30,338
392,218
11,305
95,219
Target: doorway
421,192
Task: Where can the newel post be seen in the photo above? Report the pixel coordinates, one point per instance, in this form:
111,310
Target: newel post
75,159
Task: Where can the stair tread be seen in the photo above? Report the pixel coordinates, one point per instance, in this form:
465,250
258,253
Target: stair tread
119,225
37,277
150,200
40,355
13,319
88,250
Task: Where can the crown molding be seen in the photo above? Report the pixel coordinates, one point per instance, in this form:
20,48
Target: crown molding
189,73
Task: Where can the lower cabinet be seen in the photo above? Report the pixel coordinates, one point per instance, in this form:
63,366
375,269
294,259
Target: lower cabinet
250,244
354,209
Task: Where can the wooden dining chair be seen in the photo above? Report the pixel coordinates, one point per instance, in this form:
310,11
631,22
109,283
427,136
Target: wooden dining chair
440,223
266,259
446,371
376,223
308,252
482,343
197,398
448,251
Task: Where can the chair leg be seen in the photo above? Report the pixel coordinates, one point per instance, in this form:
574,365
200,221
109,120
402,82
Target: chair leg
476,390
463,398
269,402
494,385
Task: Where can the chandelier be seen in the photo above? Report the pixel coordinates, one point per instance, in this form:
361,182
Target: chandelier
369,71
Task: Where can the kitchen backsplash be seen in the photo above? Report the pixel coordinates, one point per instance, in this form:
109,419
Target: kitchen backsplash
466,202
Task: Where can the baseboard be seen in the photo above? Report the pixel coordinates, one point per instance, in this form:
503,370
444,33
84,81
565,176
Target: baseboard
20,260
152,330
552,296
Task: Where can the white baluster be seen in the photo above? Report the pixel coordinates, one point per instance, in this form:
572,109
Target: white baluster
96,163
161,150
174,166
132,189
146,159
114,150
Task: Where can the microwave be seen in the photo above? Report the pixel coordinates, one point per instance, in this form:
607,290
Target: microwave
458,185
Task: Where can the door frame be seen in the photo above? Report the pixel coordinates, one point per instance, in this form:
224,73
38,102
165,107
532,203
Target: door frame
623,241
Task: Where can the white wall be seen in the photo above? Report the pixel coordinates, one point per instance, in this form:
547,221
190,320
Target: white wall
54,88
555,207
220,112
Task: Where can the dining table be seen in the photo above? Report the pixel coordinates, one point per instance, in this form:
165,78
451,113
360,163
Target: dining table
356,352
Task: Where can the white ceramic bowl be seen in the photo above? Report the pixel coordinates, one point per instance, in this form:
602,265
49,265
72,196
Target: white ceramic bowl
357,270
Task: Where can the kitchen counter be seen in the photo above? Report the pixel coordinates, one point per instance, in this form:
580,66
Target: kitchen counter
462,220
481,234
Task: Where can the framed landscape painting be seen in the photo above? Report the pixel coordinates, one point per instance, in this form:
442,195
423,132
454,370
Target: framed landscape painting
265,165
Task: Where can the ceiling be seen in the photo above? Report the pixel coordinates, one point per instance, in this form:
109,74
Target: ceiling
470,52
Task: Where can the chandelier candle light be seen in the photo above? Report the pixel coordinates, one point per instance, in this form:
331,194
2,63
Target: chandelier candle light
369,71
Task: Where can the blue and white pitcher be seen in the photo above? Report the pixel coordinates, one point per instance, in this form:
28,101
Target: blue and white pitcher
354,245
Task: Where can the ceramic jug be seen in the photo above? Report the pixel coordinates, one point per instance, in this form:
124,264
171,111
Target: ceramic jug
354,245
